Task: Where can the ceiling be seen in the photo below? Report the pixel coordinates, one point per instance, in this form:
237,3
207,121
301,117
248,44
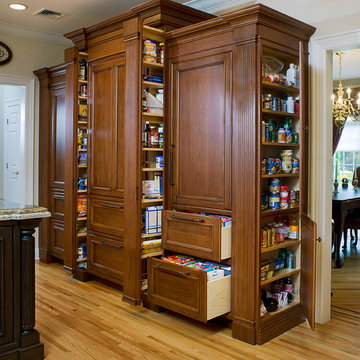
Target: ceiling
350,64
83,13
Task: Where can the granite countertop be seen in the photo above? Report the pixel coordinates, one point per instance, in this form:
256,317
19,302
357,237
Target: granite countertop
16,211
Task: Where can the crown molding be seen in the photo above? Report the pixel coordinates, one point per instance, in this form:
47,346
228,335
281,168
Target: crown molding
218,8
30,33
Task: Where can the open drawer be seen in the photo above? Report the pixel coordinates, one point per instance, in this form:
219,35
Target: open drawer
196,235
187,290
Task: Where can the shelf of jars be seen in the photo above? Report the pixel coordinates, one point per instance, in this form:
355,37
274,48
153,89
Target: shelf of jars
82,124
280,173
152,140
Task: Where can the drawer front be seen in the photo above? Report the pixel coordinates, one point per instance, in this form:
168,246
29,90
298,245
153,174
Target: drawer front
105,258
177,288
191,234
106,216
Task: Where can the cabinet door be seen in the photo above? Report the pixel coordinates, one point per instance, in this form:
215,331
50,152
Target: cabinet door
308,257
7,287
106,134
200,149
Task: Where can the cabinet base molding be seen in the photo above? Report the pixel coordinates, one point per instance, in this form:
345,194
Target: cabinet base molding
286,321
82,275
244,330
45,256
130,300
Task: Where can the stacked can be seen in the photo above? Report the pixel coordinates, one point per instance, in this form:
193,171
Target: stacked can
294,198
295,165
286,163
274,197
284,196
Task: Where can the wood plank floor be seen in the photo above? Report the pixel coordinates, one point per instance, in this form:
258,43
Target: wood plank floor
345,282
88,321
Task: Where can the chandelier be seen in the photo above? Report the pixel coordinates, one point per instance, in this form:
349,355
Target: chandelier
343,108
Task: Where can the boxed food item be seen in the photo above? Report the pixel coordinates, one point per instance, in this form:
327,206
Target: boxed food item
153,219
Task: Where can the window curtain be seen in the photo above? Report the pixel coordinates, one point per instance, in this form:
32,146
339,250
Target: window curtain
336,136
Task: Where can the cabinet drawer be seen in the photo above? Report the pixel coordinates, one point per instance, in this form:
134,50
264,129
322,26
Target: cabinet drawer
105,258
106,216
196,235
187,290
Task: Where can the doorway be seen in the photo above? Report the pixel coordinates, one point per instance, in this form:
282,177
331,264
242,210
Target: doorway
17,158
12,108
345,284
321,65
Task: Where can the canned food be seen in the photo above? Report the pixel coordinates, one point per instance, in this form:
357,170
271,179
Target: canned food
274,201
274,187
263,166
264,201
284,203
295,165
264,238
267,135
288,135
281,136
286,164
275,104
295,138
273,236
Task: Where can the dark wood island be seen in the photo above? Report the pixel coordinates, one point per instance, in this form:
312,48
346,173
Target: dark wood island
18,338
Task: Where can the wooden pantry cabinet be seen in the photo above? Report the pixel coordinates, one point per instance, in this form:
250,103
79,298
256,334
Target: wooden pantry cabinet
118,161
214,151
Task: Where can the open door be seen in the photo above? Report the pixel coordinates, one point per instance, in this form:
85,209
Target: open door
307,292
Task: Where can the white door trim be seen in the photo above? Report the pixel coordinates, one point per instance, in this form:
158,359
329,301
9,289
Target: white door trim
28,154
321,156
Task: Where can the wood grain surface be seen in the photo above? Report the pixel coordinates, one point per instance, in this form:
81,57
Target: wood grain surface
89,321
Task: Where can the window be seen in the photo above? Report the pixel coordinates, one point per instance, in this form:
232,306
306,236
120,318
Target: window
347,154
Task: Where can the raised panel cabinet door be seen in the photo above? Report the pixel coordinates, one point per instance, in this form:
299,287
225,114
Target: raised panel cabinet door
57,238
308,275
58,141
106,133
200,148
7,288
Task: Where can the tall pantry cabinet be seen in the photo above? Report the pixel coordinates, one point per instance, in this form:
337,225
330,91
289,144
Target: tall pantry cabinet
214,151
116,159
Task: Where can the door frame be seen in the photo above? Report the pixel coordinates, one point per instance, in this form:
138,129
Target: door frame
320,200
30,150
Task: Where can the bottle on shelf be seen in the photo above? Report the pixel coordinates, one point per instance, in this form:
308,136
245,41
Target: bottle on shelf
146,136
83,70
294,228
161,136
154,137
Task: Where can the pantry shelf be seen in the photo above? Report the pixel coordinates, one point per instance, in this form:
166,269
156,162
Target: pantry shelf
271,212
147,236
82,234
275,86
152,169
282,310
82,97
82,191
82,218
148,201
81,260
153,149
153,65
280,274
151,84
152,254
267,176
83,81
286,243
153,33
280,144
279,113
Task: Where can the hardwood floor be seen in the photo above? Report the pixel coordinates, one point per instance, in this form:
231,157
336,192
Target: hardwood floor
345,282
88,321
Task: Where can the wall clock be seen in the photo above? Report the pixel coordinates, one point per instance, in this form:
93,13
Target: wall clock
5,53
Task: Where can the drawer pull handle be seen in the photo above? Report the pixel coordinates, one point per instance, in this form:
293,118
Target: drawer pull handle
187,219
112,245
172,272
112,206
